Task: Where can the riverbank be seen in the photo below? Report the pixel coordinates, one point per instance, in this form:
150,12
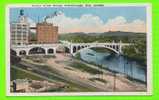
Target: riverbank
109,70
62,64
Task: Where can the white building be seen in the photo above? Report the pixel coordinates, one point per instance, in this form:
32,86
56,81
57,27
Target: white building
19,30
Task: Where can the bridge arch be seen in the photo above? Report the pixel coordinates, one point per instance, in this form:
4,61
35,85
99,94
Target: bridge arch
50,51
13,52
107,47
37,50
22,52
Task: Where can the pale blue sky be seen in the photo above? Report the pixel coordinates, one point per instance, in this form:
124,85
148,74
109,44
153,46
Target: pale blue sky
130,13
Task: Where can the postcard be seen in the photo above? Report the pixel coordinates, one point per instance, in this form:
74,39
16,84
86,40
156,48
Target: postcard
79,49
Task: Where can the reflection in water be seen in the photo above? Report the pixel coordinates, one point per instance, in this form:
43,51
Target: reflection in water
115,63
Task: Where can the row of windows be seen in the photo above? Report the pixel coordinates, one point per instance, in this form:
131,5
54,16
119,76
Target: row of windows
24,28
19,32
19,38
19,28
19,35
18,43
19,25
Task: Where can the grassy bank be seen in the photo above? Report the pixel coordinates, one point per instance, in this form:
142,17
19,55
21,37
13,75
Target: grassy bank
19,74
85,68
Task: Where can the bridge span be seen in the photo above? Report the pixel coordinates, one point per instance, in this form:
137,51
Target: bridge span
51,49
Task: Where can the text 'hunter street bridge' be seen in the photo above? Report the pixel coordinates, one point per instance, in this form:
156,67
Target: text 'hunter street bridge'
73,48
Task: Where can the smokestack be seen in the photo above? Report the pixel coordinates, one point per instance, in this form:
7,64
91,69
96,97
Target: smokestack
46,17
51,16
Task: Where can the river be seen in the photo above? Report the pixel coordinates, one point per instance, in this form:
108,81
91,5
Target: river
116,63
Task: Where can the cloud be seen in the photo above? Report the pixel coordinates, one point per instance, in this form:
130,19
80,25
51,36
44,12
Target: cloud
121,24
91,23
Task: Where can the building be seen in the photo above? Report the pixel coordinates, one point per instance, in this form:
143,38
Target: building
29,85
19,30
46,33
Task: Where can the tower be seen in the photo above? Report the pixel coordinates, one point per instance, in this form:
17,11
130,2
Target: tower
21,12
19,30
22,17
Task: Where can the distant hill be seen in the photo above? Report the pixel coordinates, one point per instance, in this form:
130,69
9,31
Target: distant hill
111,33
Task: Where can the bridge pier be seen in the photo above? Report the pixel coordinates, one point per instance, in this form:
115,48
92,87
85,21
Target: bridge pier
54,51
46,51
120,49
17,51
27,52
71,49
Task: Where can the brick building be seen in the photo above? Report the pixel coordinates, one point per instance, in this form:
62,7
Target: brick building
46,33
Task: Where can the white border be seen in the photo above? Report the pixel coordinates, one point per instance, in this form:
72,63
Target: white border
149,52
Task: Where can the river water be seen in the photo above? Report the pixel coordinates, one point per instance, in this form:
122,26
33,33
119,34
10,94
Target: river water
115,63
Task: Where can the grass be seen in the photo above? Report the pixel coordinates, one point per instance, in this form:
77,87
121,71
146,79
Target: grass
78,55
18,74
84,67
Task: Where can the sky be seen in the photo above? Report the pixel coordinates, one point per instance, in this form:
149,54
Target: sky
88,19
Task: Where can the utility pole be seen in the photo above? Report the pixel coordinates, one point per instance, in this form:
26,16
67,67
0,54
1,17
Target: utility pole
131,69
114,85
124,66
